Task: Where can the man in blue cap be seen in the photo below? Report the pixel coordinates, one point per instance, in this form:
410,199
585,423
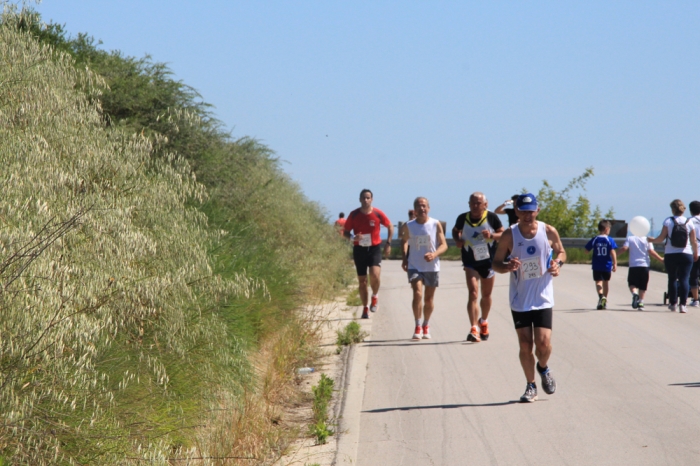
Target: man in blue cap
531,251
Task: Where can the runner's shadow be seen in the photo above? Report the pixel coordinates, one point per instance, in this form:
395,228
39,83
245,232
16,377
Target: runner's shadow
451,406
686,385
406,342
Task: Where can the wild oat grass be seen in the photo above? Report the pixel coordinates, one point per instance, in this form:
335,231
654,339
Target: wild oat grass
148,311
106,275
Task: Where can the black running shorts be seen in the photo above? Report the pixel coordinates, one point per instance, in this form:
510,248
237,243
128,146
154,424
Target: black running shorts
541,318
601,276
638,277
365,257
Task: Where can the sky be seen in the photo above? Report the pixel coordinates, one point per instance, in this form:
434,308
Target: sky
438,99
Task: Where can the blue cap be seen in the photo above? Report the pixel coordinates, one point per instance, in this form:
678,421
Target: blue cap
527,202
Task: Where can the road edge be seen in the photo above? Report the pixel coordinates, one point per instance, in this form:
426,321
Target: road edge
354,375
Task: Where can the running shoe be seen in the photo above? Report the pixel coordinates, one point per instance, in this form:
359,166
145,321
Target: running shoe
417,333
635,300
474,335
426,332
549,385
600,303
695,303
672,307
604,302
530,394
640,306
373,304
365,313
484,332
682,309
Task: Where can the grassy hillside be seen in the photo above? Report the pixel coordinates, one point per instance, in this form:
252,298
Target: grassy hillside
151,265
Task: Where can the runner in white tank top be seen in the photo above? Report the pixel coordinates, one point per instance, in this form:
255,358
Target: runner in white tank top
531,286
426,239
530,245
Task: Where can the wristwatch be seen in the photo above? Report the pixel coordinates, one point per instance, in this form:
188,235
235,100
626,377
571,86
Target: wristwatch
560,263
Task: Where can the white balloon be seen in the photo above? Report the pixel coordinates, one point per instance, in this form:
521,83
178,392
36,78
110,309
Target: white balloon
639,226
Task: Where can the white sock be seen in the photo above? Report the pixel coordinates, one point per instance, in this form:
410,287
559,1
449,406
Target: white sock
425,323
417,322
483,321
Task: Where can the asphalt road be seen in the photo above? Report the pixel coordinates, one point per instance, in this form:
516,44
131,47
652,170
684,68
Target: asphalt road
628,381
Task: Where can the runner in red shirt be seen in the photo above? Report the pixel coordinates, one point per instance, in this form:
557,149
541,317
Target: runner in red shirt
340,223
365,223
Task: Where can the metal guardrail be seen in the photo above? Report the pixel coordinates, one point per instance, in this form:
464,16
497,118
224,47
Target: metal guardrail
567,242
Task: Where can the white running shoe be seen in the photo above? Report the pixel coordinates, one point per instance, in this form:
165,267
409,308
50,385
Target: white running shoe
695,303
682,309
672,307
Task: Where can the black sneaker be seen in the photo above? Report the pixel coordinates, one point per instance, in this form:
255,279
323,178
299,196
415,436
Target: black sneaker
549,385
635,301
600,303
604,302
530,394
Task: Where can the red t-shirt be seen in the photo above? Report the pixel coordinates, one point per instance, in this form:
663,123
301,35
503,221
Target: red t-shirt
367,224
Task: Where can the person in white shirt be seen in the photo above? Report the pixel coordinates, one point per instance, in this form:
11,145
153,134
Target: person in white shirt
678,257
638,272
695,270
534,257
426,239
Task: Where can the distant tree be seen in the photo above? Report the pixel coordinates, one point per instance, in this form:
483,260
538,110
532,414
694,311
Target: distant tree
572,218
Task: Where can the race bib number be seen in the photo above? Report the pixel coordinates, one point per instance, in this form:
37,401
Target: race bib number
481,251
531,268
422,241
366,240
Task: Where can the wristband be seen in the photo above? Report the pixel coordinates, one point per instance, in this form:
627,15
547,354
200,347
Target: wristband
560,263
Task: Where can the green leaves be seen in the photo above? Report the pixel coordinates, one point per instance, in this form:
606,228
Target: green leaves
572,219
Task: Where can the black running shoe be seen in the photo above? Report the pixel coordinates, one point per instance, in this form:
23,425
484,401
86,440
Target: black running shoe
600,303
635,301
530,394
549,385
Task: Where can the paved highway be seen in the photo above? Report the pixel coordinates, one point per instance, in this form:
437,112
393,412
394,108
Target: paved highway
628,381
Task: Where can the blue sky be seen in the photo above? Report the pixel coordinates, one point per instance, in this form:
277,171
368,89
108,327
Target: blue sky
438,99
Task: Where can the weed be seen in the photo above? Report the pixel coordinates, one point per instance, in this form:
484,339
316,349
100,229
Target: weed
352,333
323,392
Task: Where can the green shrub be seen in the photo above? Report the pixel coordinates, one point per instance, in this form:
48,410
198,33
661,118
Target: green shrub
352,333
323,392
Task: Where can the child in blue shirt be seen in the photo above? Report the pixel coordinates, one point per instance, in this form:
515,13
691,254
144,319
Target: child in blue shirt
604,261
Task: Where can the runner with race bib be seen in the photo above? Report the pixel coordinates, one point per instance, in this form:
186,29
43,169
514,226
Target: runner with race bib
476,232
535,256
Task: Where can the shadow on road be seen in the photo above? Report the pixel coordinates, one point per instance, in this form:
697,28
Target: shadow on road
686,385
408,342
452,406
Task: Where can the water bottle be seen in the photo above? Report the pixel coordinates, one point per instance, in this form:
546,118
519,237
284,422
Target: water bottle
305,370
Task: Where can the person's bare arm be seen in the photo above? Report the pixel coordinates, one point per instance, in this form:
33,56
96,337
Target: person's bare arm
504,245
558,252
659,239
403,234
442,245
496,235
694,244
655,254
457,236
614,260
387,247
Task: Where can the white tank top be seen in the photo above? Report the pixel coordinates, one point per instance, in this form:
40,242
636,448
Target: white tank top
531,285
422,239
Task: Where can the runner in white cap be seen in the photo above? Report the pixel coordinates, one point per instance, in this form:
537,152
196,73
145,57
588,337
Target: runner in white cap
532,264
